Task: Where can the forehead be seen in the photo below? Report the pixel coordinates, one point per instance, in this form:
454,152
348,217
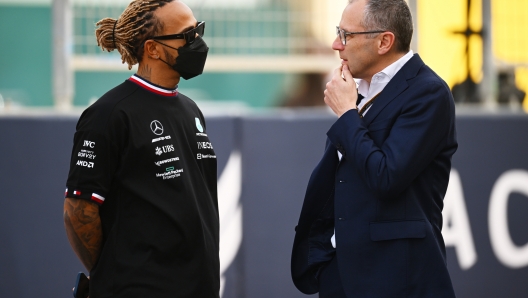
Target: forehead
175,16
352,16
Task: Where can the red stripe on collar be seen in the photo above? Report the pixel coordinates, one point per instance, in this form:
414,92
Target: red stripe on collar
153,88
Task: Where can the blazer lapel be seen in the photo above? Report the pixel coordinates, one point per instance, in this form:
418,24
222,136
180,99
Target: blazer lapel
394,88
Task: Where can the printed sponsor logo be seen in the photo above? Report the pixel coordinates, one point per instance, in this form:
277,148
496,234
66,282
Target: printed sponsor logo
161,139
89,144
86,154
156,127
170,174
205,145
158,163
200,156
164,149
201,134
87,164
198,124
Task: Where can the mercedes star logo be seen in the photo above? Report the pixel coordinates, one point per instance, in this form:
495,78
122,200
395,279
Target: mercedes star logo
156,127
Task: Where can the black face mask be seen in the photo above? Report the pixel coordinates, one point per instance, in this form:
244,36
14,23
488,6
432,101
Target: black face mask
191,58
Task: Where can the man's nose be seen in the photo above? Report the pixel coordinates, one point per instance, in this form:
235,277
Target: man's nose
337,45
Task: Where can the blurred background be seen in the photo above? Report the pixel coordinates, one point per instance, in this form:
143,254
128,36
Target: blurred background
264,53
262,94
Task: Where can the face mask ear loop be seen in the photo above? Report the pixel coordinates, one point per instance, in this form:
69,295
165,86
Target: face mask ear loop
165,44
166,63
113,34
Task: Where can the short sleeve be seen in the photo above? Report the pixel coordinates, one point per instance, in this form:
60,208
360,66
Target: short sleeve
93,164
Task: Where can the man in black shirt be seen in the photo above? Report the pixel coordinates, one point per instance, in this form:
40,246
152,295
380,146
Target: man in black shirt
141,207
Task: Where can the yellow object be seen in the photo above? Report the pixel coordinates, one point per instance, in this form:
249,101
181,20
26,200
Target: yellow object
444,50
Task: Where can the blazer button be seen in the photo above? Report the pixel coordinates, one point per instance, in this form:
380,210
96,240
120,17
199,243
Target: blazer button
341,181
341,218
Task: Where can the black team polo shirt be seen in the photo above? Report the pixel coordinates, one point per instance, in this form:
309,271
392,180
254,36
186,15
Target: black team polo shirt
142,153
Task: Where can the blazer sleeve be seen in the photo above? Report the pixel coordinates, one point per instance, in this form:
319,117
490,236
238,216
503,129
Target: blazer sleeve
417,136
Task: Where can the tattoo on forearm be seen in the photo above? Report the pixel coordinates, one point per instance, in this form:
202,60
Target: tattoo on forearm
145,72
83,227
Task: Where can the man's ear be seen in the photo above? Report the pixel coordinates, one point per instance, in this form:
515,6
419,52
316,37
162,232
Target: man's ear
150,49
386,42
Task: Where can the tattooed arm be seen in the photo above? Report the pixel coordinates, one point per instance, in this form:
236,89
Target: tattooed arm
83,227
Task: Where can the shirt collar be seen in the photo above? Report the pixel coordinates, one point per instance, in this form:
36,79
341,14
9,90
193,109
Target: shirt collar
153,87
383,77
392,69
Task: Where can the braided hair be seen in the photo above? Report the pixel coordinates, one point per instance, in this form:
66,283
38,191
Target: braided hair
128,33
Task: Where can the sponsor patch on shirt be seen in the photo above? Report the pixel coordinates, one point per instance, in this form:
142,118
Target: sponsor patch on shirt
159,163
205,145
170,173
156,127
86,154
161,139
88,143
198,124
164,149
84,163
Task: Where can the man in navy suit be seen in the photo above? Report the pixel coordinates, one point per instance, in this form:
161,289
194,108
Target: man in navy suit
371,221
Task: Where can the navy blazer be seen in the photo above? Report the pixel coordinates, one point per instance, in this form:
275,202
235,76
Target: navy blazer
385,196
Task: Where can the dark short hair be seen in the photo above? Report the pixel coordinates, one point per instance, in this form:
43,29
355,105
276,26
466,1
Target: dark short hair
390,15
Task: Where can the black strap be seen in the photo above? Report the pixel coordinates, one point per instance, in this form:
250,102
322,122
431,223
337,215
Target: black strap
367,105
360,97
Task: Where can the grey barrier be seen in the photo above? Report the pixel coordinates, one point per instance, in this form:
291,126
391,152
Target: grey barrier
485,213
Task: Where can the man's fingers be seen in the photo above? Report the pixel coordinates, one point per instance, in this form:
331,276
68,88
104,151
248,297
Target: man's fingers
337,73
347,74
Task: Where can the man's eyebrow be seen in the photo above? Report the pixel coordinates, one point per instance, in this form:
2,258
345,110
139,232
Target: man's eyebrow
187,29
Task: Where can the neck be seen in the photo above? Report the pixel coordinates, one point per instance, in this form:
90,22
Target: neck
383,62
165,77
